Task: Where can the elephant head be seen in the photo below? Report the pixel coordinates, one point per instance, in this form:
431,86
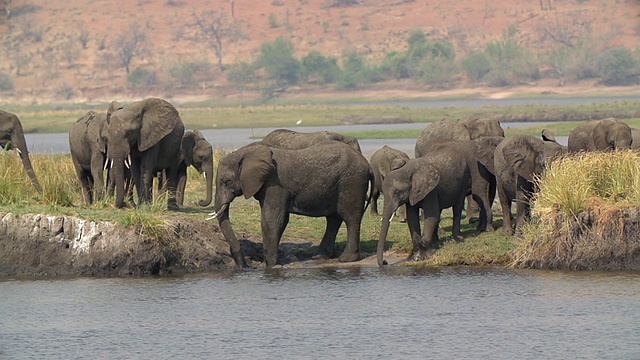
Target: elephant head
242,172
197,152
529,156
479,127
409,184
132,130
612,134
12,137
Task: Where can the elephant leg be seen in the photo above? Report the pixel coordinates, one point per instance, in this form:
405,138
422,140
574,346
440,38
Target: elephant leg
182,184
473,210
274,222
505,204
430,234
457,218
352,250
374,203
413,223
85,186
327,245
401,213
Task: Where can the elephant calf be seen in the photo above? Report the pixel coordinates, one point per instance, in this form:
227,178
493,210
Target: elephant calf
293,140
324,180
383,161
517,160
601,135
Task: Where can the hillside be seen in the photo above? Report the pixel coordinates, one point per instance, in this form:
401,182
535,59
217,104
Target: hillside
46,60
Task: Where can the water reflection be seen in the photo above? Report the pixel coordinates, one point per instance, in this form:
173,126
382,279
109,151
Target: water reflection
350,312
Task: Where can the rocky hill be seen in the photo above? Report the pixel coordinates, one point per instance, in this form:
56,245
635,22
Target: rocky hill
73,50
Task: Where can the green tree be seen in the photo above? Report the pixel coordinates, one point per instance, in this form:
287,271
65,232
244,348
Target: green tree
476,65
319,68
240,75
618,66
278,61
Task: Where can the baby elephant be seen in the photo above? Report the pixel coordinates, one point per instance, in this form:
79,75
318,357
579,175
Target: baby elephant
436,181
517,160
195,151
383,161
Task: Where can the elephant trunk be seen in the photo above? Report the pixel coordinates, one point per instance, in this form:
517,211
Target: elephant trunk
230,236
20,144
384,229
208,174
117,173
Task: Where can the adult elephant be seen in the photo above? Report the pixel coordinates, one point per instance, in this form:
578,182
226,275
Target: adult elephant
195,151
518,159
89,153
293,140
146,137
635,136
600,135
324,180
439,180
383,161
464,129
12,137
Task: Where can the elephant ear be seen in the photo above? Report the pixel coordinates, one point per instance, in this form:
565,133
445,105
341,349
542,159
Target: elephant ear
255,168
599,134
424,179
548,135
522,157
157,119
113,107
397,163
188,144
484,151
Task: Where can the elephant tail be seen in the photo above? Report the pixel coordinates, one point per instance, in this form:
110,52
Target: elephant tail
372,183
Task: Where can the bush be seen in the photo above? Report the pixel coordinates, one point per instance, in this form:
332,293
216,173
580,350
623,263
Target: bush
278,61
356,71
476,66
618,66
318,68
142,78
185,70
5,82
438,71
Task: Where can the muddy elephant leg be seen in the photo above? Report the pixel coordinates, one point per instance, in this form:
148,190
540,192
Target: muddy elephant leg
431,222
413,223
327,245
352,250
374,203
473,210
274,222
401,213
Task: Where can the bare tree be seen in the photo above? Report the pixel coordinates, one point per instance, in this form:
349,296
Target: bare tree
214,28
130,44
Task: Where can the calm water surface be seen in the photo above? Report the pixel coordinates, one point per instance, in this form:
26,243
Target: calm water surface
356,313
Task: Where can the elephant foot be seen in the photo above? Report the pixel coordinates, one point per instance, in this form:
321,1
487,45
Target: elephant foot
473,219
458,238
507,231
374,213
321,257
349,257
172,206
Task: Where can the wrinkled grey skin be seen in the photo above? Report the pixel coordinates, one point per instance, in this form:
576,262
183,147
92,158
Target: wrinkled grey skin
324,180
12,137
195,151
635,135
479,154
600,135
88,154
150,132
383,161
439,180
293,140
517,160
463,129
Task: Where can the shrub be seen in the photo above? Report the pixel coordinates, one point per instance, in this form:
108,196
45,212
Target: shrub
476,66
5,82
185,70
142,78
618,66
319,68
278,61
356,71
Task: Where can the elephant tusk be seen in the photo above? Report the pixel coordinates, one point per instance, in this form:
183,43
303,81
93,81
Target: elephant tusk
19,152
106,164
215,214
392,215
126,163
129,158
205,176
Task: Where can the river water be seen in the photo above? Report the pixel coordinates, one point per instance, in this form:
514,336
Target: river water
327,313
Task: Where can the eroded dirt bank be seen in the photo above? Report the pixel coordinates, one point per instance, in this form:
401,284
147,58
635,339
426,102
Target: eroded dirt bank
41,245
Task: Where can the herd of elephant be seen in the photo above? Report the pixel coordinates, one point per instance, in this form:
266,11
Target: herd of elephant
320,174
